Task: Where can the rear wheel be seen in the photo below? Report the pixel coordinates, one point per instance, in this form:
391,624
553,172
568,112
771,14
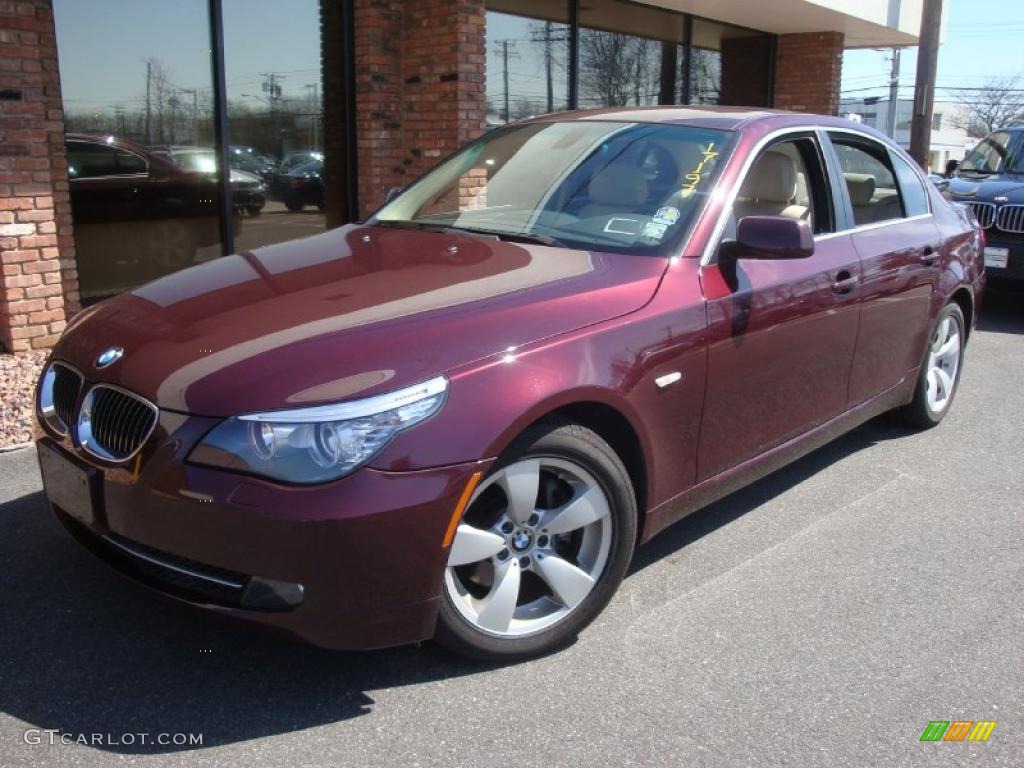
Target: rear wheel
940,371
293,204
544,544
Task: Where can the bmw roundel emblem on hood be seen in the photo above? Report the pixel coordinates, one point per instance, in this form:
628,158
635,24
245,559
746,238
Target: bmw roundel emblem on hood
109,356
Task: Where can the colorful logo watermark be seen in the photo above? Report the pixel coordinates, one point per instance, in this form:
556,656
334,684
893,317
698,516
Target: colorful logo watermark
958,730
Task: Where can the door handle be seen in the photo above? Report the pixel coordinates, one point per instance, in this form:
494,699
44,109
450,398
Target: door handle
844,283
929,256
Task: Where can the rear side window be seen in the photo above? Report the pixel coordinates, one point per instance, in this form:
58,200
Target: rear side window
915,196
867,170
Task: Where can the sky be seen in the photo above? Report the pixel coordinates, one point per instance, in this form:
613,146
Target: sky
984,40
104,45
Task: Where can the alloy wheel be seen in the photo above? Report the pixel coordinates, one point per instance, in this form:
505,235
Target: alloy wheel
533,543
943,364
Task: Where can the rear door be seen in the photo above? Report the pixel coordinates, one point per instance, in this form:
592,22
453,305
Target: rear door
781,332
898,243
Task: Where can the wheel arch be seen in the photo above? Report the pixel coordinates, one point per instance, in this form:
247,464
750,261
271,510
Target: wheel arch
598,412
965,300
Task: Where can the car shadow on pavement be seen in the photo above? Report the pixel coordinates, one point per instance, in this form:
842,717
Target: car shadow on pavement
1002,308
735,505
85,651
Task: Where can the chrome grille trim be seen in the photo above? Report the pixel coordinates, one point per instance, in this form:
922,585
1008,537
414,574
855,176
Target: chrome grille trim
58,396
1011,218
113,423
985,213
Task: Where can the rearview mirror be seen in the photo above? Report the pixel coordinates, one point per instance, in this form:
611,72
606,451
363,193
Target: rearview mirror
770,237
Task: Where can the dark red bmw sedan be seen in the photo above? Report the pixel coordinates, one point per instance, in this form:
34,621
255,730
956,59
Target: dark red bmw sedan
460,418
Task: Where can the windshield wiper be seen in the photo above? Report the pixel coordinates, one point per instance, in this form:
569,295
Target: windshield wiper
498,234
514,237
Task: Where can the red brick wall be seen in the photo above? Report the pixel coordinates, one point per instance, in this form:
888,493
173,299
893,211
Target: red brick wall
38,282
420,87
808,68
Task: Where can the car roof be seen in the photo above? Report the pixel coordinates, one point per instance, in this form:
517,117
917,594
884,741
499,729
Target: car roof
707,116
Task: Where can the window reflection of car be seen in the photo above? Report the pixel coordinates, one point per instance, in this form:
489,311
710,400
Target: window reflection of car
299,187
137,215
990,180
248,190
295,158
248,159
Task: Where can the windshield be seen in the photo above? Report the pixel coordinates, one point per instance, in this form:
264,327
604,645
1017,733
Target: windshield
991,155
605,186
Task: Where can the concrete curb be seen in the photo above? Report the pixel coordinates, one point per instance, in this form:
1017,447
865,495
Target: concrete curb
15,447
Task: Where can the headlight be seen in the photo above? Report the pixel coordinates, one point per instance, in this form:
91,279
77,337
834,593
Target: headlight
313,445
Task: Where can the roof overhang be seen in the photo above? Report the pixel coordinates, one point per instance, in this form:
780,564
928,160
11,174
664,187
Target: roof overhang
865,23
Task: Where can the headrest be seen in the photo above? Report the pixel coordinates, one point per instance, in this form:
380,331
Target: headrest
619,185
773,179
861,186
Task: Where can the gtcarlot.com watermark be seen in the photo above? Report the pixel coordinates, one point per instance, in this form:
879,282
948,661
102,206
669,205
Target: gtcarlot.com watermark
53,737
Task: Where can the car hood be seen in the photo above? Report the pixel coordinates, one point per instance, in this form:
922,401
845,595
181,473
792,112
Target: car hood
348,313
986,188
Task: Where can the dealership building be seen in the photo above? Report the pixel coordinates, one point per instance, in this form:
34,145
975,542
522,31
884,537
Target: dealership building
323,106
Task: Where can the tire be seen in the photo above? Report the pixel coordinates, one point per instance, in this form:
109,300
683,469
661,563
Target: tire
293,204
568,479
933,394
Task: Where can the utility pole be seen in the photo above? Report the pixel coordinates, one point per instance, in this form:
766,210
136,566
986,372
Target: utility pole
272,87
149,106
173,102
894,90
315,87
505,55
924,86
547,66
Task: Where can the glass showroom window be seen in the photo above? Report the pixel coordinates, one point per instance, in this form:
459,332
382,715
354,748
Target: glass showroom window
136,82
275,120
629,55
527,59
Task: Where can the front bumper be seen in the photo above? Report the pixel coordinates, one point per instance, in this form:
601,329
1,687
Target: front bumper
354,564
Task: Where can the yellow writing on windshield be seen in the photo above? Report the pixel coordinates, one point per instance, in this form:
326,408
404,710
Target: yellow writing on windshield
693,177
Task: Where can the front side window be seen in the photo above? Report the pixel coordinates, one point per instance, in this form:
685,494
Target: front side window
991,155
786,180
611,186
874,193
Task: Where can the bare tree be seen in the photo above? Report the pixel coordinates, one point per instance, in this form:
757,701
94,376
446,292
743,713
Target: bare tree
617,70
996,104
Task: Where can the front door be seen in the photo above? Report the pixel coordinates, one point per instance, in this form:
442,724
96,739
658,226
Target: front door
781,332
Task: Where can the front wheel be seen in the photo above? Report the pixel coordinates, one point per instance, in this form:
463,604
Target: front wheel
940,371
545,542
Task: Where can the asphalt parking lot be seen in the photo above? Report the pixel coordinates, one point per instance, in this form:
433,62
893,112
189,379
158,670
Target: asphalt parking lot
820,617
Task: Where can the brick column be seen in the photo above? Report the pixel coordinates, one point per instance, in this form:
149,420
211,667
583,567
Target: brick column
420,87
808,69
39,281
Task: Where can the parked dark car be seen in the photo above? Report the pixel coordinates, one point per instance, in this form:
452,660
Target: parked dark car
298,157
249,160
248,190
299,187
137,215
991,180
458,419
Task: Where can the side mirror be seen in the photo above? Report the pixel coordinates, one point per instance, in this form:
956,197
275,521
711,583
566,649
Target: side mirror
770,237
392,194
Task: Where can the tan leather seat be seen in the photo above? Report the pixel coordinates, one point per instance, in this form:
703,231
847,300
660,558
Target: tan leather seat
615,189
861,187
770,189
